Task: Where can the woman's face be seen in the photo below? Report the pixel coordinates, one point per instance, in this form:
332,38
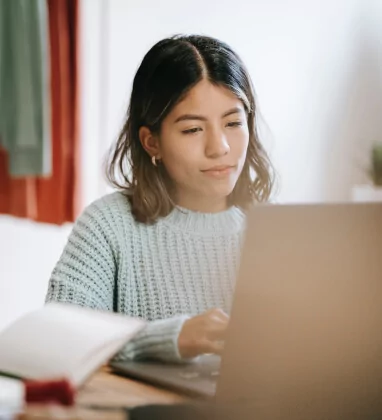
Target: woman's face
203,145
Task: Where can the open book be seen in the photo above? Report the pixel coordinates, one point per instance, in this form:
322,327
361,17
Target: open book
63,341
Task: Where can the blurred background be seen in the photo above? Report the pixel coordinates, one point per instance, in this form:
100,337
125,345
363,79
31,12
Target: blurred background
316,67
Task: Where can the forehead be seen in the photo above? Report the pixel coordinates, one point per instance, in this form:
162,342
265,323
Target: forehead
208,100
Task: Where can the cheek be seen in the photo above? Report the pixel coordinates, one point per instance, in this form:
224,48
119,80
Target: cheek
177,165
180,158
239,144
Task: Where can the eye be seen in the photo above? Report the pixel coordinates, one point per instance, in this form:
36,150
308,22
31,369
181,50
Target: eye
192,130
235,124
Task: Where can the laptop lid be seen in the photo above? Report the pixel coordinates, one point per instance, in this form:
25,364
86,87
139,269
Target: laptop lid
305,337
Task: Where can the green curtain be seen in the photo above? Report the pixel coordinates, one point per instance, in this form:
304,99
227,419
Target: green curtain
25,87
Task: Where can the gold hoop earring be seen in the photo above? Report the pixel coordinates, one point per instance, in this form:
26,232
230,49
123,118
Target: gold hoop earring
154,160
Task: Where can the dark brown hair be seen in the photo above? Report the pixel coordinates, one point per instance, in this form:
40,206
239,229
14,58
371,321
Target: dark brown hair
168,71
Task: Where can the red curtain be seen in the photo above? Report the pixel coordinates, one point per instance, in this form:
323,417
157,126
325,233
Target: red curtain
54,199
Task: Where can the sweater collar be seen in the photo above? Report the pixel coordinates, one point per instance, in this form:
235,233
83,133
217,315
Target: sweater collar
225,222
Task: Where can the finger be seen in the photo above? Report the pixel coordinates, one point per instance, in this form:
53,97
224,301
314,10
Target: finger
218,314
211,347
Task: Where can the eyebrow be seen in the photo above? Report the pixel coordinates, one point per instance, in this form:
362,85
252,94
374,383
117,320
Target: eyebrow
187,117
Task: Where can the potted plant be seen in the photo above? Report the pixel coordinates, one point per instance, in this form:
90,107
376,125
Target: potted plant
373,190
376,165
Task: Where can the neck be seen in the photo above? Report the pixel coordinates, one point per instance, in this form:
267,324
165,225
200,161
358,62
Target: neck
201,204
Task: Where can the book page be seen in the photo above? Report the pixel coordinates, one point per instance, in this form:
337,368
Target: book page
56,340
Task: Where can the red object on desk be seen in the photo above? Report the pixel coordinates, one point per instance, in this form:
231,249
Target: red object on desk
55,392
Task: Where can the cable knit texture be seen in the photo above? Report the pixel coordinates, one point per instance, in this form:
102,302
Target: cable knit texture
181,266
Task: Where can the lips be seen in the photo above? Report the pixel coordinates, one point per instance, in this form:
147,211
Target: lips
219,172
220,168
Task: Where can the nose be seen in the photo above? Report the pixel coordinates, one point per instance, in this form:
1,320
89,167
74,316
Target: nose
217,145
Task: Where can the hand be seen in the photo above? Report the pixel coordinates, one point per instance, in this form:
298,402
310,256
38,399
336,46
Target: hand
203,334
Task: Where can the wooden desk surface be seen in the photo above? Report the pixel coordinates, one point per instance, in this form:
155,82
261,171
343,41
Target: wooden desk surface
108,392
107,389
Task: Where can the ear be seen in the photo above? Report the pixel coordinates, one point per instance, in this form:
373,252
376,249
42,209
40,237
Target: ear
149,142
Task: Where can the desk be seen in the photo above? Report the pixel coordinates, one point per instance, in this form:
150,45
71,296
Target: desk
105,390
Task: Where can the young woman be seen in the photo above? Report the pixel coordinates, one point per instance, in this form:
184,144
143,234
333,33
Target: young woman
187,164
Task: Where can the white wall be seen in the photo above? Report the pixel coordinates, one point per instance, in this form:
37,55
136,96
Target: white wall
27,255
317,69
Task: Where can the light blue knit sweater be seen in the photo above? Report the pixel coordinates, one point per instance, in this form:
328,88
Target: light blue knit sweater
179,267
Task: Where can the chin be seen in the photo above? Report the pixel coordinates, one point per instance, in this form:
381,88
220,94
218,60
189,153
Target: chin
219,191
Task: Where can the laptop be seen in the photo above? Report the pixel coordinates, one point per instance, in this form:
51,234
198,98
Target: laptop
305,334
196,379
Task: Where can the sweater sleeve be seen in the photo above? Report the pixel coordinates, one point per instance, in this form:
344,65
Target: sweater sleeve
85,276
158,340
